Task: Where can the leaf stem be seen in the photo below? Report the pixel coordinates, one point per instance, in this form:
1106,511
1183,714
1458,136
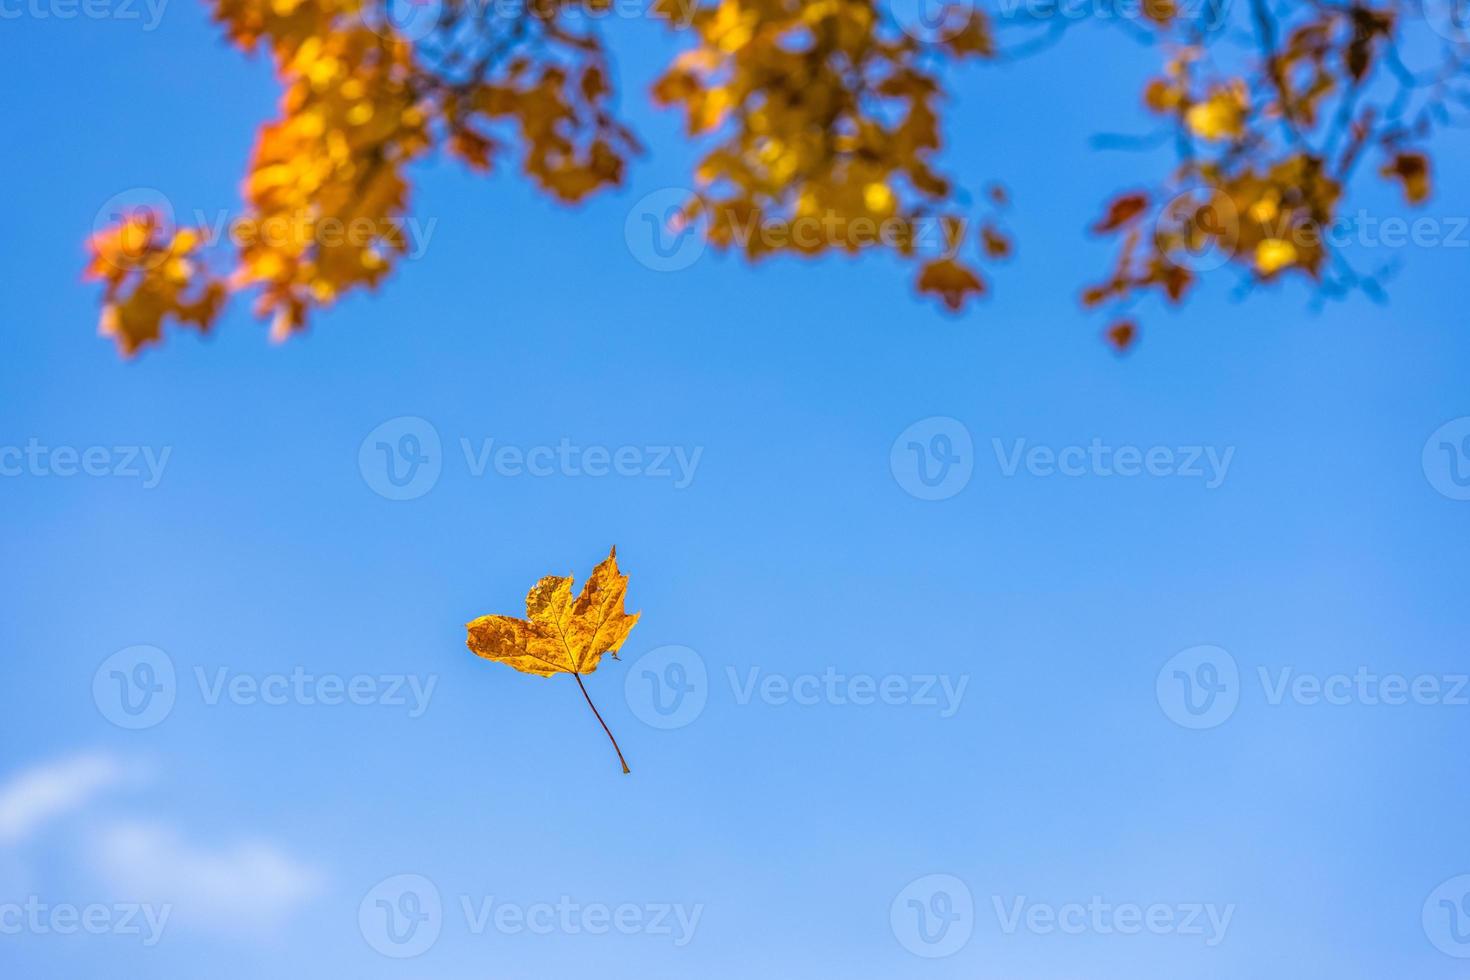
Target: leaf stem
614,741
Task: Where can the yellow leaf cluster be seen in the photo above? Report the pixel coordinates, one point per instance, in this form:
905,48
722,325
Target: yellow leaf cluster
326,193
332,163
150,275
823,116
1267,153
819,127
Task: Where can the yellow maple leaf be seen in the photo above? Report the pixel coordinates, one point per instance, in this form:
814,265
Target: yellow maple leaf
562,635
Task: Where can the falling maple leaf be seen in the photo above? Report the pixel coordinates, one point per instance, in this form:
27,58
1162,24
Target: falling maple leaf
562,635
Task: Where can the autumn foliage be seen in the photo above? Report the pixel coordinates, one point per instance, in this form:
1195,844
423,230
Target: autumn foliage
824,110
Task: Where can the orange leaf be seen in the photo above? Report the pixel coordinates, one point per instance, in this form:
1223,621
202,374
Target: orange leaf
1124,210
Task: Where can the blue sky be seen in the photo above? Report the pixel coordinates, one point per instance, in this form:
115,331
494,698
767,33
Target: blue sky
910,727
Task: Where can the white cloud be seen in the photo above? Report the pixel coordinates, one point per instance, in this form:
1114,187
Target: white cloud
248,886
39,795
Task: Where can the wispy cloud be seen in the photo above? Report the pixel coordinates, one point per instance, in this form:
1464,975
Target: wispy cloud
36,796
244,887
248,886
